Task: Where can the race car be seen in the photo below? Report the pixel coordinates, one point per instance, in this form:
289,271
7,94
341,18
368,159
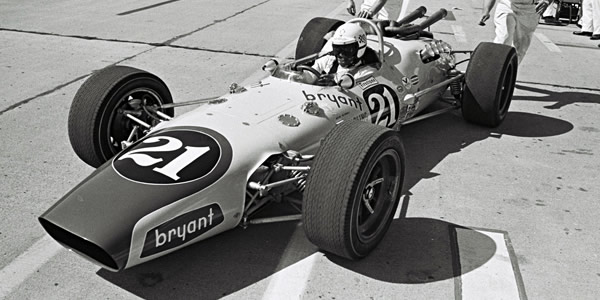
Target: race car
330,149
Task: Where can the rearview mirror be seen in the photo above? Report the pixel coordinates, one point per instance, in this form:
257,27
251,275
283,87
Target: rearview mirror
270,66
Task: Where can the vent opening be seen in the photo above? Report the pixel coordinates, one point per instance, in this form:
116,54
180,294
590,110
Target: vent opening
80,245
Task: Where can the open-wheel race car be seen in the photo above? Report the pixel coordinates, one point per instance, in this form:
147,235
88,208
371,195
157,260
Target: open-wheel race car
330,149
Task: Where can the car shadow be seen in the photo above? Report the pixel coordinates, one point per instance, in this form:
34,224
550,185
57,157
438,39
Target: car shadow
415,250
558,99
213,268
428,142
420,250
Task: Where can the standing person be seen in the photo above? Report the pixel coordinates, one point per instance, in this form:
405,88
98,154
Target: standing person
550,13
369,9
515,22
590,19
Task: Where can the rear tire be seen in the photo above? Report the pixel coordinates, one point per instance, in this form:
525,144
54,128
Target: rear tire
312,39
489,84
97,122
353,189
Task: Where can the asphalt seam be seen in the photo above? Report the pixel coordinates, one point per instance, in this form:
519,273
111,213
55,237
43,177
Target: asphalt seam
167,43
22,102
60,86
153,44
145,8
215,22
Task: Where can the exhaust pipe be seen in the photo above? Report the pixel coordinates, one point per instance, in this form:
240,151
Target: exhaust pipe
417,13
410,31
435,17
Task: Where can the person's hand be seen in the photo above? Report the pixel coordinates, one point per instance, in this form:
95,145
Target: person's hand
541,7
351,8
483,19
367,14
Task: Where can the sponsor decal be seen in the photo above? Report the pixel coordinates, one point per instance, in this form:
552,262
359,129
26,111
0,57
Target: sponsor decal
182,229
362,116
337,99
367,83
383,104
407,83
414,80
176,156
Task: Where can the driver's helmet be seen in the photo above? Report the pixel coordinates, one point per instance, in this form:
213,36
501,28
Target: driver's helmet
349,43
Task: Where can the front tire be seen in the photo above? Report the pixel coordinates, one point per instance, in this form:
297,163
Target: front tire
353,189
97,118
489,84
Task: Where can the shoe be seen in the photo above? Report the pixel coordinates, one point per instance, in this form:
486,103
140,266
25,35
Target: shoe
552,21
584,33
595,37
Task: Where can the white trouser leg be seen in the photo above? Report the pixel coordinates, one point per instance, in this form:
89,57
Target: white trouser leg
505,27
526,25
586,16
595,16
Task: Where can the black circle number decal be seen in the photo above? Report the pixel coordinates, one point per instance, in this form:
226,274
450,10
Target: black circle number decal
383,105
175,156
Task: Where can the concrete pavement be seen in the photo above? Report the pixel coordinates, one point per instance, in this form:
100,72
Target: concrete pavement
526,193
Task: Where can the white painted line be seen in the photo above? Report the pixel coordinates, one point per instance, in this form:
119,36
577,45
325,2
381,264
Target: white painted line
547,42
26,264
290,283
295,268
291,279
496,278
459,34
399,209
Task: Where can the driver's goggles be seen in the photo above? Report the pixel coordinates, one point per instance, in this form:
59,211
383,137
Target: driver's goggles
349,50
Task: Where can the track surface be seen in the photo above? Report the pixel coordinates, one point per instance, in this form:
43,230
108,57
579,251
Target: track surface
506,213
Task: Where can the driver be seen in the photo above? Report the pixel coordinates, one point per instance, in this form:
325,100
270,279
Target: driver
349,44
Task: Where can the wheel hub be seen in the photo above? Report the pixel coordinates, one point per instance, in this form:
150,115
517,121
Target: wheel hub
369,194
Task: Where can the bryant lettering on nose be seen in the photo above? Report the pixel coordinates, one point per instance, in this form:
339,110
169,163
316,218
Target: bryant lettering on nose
181,231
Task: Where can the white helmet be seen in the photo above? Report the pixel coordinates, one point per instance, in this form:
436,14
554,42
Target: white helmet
349,43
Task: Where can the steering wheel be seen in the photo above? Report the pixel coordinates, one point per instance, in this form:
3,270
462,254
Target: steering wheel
309,69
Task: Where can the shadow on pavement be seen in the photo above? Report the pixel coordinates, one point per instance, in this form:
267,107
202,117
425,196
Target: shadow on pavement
213,268
420,250
428,142
558,99
415,250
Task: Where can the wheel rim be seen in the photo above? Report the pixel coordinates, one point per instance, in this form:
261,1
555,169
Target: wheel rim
120,127
506,91
377,196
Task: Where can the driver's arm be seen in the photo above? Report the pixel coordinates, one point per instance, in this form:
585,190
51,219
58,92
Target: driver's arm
320,65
